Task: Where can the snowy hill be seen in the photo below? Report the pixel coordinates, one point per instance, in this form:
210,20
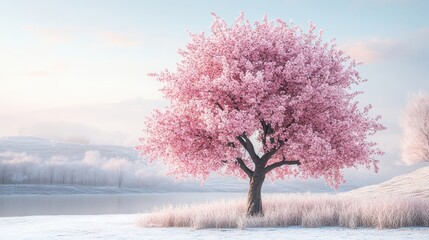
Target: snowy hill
412,184
32,189
45,148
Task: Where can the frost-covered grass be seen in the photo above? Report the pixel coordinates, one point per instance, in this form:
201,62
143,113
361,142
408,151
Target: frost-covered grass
307,210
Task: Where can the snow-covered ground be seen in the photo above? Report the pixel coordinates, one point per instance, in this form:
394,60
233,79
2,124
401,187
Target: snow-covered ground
414,184
124,227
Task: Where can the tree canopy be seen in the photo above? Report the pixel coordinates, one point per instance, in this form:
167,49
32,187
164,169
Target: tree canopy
415,126
268,83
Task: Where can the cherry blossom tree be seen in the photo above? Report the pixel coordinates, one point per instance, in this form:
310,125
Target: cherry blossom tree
261,100
415,126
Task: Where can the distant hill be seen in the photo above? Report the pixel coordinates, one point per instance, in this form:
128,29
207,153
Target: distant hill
33,161
414,184
139,174
45,148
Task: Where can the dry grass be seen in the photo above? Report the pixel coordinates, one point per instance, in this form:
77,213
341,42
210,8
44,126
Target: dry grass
307,210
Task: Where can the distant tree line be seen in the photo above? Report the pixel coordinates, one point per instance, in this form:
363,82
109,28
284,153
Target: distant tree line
92,170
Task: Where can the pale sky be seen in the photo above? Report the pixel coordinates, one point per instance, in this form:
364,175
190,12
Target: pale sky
77,70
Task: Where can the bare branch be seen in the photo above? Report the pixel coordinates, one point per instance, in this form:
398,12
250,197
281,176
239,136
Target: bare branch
243,166
281,163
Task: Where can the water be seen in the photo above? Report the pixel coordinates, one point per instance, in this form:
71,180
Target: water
92,204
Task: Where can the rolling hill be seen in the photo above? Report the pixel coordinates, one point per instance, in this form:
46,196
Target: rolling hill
414,184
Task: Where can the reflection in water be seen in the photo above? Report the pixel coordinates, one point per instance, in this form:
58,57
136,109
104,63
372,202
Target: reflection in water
87,204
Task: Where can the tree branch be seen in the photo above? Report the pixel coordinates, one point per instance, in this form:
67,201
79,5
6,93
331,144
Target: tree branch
281,163
271,153
221,108
265,131
235,104
250,147
241,140
243,166
290,124
247,144
268,130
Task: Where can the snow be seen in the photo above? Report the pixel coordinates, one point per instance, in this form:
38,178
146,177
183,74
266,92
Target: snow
124,227
414,184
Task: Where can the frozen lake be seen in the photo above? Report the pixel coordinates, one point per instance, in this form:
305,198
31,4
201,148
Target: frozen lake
91,204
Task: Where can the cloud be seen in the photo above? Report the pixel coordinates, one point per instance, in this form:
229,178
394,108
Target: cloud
53,35
72,34
76,132
117,123
48,70
118,39
367,51
39,73
411,47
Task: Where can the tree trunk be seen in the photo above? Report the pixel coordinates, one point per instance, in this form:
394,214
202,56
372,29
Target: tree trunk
254,199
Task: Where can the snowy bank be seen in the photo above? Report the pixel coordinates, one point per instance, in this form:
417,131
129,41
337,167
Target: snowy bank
124,227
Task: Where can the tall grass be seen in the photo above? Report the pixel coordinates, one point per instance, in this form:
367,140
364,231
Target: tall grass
307,210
